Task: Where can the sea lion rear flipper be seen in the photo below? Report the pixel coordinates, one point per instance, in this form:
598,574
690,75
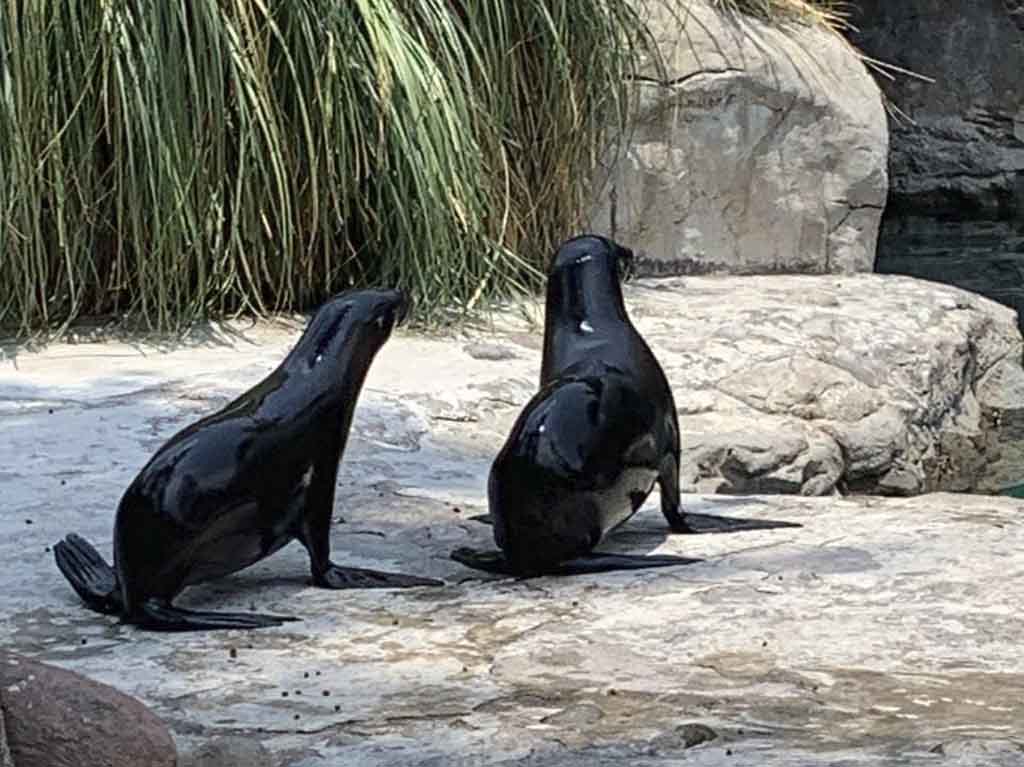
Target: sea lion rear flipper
158,615
711,523
89,574
605,563
335,577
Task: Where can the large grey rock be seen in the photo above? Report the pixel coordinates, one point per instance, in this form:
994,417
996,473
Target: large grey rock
961,152
762,149
801,384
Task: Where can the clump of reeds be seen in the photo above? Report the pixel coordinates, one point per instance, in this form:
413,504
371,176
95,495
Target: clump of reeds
172,161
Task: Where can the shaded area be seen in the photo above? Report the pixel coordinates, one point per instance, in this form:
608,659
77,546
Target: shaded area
985,257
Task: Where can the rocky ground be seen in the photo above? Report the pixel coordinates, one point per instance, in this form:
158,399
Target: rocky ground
882,632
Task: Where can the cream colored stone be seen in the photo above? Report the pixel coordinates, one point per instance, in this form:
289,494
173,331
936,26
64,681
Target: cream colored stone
759,150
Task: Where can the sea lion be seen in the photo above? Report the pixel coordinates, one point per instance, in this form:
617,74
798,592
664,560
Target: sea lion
588,448
240,484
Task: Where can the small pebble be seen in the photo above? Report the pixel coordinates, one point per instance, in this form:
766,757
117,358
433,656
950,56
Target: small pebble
305,675
728,752
232,653
326,693
284,693
85,641
337,707
612,691
63,482
296,717
298,692
28,521
394,622
318,673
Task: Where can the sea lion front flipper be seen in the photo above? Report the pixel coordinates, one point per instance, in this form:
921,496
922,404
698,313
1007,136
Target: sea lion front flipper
335,577
668,485
712,523
484,519
606,563
315,534
158,615
488,561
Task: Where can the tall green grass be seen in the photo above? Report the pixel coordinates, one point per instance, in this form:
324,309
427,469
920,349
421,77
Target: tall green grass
183,159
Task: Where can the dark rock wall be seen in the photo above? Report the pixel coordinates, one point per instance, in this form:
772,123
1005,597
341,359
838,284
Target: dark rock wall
955,210
963,155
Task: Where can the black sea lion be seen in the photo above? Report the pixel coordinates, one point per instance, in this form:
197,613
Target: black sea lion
240,484
588,448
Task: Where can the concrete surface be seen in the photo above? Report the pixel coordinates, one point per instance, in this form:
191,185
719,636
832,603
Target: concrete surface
883,632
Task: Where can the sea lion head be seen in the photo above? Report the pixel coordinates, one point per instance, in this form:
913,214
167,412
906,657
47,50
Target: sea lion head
591,252
585,281
352,326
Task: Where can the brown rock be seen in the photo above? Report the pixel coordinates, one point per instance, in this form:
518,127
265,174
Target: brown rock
57,718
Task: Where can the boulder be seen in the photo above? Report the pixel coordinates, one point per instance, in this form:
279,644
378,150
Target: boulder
864,383
958,148
58,718
804,384
760,149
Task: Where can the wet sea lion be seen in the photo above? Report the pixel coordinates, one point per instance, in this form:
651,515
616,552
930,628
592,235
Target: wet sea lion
588,448
240,484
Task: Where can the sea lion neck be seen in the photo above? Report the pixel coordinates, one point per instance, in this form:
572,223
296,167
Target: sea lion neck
587,292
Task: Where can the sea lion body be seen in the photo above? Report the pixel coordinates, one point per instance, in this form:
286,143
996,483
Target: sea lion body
588,448
236,486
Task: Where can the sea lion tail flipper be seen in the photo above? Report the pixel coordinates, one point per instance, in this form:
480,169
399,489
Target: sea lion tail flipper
606,563
335,577
488,561
89,575
158,615
712,523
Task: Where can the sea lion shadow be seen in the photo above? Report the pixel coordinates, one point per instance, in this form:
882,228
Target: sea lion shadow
648,531
263,587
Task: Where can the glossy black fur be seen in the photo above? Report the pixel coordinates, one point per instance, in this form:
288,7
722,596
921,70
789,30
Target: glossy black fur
240,484
589,446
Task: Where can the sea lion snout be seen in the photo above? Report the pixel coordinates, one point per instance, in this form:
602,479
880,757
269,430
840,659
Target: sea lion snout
403,307
626,260
392,309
